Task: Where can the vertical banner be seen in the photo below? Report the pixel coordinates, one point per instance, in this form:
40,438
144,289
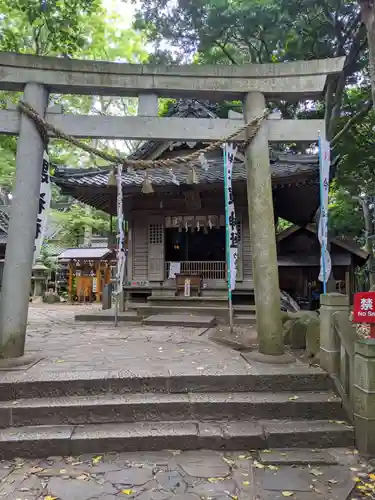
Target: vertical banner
43,208
324,164
230,225
121,255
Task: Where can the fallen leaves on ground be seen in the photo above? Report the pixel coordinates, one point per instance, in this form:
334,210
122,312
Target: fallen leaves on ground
48,497
364,487
128,492
229,461
36,469
96,460
287,493
316,472
258,465
215,479
272,467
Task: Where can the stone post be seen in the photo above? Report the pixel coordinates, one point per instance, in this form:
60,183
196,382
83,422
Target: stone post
329,341
21,235
262,229
364,395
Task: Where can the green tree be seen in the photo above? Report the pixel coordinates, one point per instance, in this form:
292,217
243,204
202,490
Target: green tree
78,28
259,31
52,27
74,221
368,17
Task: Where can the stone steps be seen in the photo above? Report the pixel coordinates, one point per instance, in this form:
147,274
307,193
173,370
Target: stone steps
61,413
281,378
108,316
244,319
220,312
120,408
65,440
180,319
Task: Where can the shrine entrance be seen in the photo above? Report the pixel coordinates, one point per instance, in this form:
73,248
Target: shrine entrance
194,250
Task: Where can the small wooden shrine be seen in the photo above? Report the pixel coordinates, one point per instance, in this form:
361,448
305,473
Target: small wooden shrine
298,256
89,270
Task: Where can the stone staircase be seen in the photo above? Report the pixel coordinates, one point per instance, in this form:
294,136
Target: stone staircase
197,306
64,415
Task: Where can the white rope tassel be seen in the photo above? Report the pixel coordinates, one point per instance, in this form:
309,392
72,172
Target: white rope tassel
203,162
174,178
193,176
147,186
112,178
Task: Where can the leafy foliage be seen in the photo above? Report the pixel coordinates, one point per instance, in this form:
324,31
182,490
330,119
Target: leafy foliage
82,29
74,222
55,27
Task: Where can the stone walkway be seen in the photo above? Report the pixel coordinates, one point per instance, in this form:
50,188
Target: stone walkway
72,349
174,475
81,349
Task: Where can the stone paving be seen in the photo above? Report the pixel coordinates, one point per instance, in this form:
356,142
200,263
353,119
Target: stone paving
75,349
174,475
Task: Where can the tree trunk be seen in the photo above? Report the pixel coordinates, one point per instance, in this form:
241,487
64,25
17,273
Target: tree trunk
369,230
368,17
87,237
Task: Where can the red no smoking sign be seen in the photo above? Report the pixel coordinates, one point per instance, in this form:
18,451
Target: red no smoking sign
364,308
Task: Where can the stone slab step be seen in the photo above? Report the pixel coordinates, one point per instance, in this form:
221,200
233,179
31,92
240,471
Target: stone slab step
244,319
65,440
169,407
297,456
290,378
188,320
172,299
220,312
107,316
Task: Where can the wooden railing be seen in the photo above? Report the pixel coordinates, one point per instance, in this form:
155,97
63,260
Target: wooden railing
209,270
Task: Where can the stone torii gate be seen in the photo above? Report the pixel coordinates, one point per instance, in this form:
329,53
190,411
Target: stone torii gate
37,77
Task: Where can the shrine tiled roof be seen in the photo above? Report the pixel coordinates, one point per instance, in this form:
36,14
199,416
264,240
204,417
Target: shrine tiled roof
284,169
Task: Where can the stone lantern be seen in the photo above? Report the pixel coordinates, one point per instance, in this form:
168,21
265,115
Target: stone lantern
39,279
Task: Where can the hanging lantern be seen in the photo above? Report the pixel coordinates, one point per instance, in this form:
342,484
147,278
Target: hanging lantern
192,177
112,178
146,185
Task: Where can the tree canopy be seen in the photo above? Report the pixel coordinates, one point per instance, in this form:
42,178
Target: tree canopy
260,31
216,32
81,29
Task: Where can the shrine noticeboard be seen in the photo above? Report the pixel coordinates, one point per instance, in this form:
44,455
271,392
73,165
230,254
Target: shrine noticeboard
364,307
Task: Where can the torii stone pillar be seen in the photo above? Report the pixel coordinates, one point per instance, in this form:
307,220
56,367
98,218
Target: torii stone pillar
21,235
262,229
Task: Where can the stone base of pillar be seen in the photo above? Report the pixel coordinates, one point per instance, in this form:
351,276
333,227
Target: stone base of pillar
364,396
329,342
121,302
280,359
14,363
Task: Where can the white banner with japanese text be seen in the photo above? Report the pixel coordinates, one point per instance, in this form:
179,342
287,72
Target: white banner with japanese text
121,254
324,168
43,207
230,215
